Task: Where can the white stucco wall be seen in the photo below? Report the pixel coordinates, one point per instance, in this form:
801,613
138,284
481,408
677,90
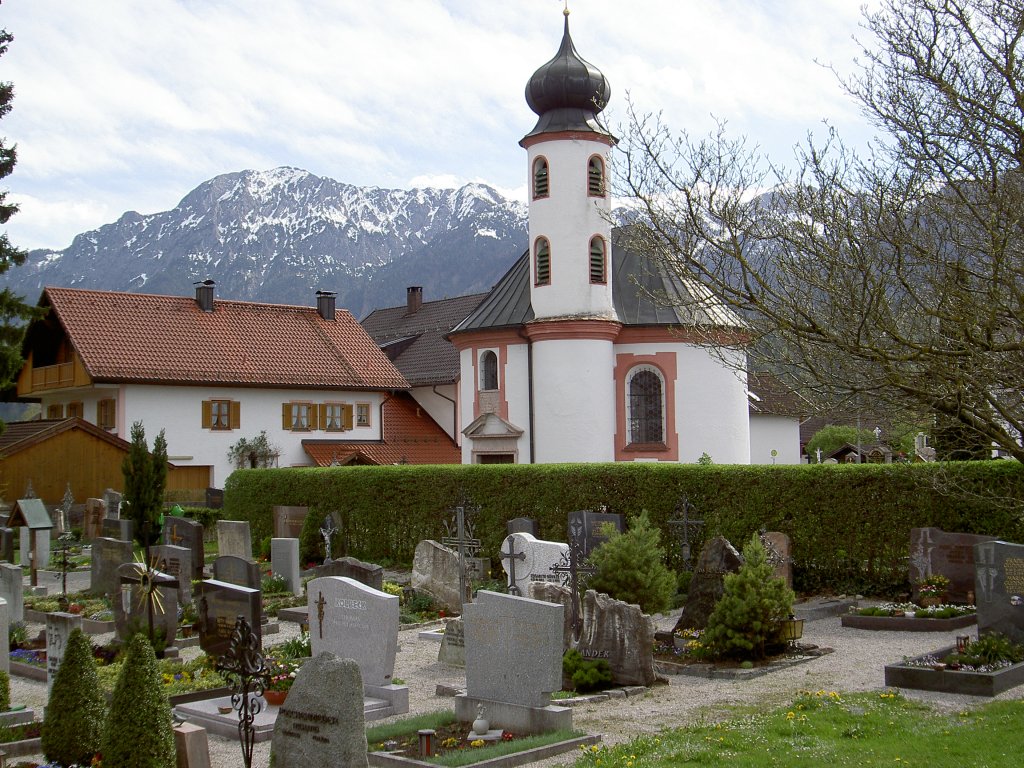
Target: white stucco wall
779,433
439,402
711,401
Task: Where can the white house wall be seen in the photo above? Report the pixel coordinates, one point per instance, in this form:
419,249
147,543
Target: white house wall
779,433
439,403
712,402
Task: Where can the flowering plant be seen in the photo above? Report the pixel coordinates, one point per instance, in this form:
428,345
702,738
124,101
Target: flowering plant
282,674
932,585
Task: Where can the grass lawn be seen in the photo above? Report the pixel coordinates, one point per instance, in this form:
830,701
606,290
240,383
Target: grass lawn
826,728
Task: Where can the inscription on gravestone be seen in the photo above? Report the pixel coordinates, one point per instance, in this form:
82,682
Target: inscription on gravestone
587,527
1000,588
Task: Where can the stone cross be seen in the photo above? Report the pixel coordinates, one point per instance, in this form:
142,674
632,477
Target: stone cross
512,556
327,530
570,569
683,525
464,542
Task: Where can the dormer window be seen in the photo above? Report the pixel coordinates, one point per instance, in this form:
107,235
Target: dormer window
540,178
595,177
597,261
542,262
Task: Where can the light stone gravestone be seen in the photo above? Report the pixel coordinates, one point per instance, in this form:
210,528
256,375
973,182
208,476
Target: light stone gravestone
322,722
234,538
112,501
934,551
12,590
182,532
540,555
513,663
131,605
288,521
92,523
999,586
284,562
42,554
118,529
435,571
370,574
177,562
219,605
237,570
349,619
58,629
107,556
453,644
5,645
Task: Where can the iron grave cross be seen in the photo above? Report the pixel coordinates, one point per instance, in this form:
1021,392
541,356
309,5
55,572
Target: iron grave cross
570,569
465,543
512,556
683,526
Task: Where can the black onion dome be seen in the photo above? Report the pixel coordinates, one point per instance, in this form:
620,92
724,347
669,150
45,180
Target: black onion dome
568,92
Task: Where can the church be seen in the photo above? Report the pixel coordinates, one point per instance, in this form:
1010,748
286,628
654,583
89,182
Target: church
568,358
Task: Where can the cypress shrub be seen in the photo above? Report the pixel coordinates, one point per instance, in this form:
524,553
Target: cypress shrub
5,691
139,732
73,724
630,567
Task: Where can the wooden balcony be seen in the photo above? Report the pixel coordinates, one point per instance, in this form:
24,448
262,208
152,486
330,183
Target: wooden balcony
53,376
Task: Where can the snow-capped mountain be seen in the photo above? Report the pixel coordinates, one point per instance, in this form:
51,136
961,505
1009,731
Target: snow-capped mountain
281,235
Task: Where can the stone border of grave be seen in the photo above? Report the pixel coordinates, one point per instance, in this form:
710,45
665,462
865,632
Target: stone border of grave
388,760
953,680
713,672
625,692
89,626
23,747
28,671
908,623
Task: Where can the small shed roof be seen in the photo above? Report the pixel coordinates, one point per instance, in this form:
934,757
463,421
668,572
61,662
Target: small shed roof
30,512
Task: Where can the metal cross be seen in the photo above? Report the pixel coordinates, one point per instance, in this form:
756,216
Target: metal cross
683,526
465,542
327,530
245,667
570,569
512,556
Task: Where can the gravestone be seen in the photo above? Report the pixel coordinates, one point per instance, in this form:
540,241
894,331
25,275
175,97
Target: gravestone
92,522
453,644
118,529
778,552
718,558
112,503
321,723
7,544
513,663
934,551
42,553
522,525
176,562
131,606
215,498
435,571
540,555
107,556
219,605
12,590
5,644
182,532
233,538
288,522
237,570
586,527
559,595
622,635
284,562
999,588
370,574
58,630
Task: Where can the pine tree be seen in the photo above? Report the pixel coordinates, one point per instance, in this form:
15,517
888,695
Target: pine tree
145,476
631,567
14,313
747,616
73,724
139,732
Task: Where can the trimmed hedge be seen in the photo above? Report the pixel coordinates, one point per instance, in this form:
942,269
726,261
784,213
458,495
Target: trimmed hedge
849,524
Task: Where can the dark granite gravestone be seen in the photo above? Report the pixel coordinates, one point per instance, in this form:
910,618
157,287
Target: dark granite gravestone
219,605
215,498
117,529
288,522
7,544
322,722
589,525
999,588
370,574
933,550
182,532
107,556
707,585
176,561
92,523
237,570
131,606
522,525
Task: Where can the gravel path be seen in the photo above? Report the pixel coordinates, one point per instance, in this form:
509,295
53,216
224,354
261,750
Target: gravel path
855,665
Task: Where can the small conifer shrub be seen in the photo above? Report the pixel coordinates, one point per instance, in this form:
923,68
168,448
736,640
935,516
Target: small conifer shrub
586,674
73,724
631,567
5,691
139,732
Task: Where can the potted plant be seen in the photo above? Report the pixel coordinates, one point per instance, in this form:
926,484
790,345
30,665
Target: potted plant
932,589
282,676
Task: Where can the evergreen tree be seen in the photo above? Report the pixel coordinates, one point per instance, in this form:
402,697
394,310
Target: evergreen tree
631,567
747,616
145,476
14,313
73,724
138,732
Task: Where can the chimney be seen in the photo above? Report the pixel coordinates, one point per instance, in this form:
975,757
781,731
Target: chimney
413,299
325,304
204,294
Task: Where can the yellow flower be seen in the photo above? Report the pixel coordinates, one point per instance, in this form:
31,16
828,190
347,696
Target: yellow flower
476,743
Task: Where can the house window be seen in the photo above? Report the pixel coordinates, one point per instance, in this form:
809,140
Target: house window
105,416
335,417
540,178
221,414
646,407
488,370
595,177
55,411
362,414
597,260
76,410
298,417
542,262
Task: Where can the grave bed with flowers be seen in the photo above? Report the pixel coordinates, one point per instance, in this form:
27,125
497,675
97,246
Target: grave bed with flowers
908,617
983,667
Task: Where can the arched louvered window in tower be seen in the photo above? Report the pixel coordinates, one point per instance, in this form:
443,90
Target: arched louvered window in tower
542,262
540,178
595,177
598,263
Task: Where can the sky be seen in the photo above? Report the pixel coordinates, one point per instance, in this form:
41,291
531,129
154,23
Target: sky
125,105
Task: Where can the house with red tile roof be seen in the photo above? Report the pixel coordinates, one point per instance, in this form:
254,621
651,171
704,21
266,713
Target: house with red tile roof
211,371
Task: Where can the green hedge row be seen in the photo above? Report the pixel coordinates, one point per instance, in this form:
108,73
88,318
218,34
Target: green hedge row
849,524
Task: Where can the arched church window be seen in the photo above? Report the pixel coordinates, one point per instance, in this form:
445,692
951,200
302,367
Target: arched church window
542,262
597,260
488,370
646,393
540,178
595,177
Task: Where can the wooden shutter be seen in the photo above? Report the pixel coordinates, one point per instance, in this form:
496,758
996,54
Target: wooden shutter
314,422
207,414
235,420
322,409
346,411
286,416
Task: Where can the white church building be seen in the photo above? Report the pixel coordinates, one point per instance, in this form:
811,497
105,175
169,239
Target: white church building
568,359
